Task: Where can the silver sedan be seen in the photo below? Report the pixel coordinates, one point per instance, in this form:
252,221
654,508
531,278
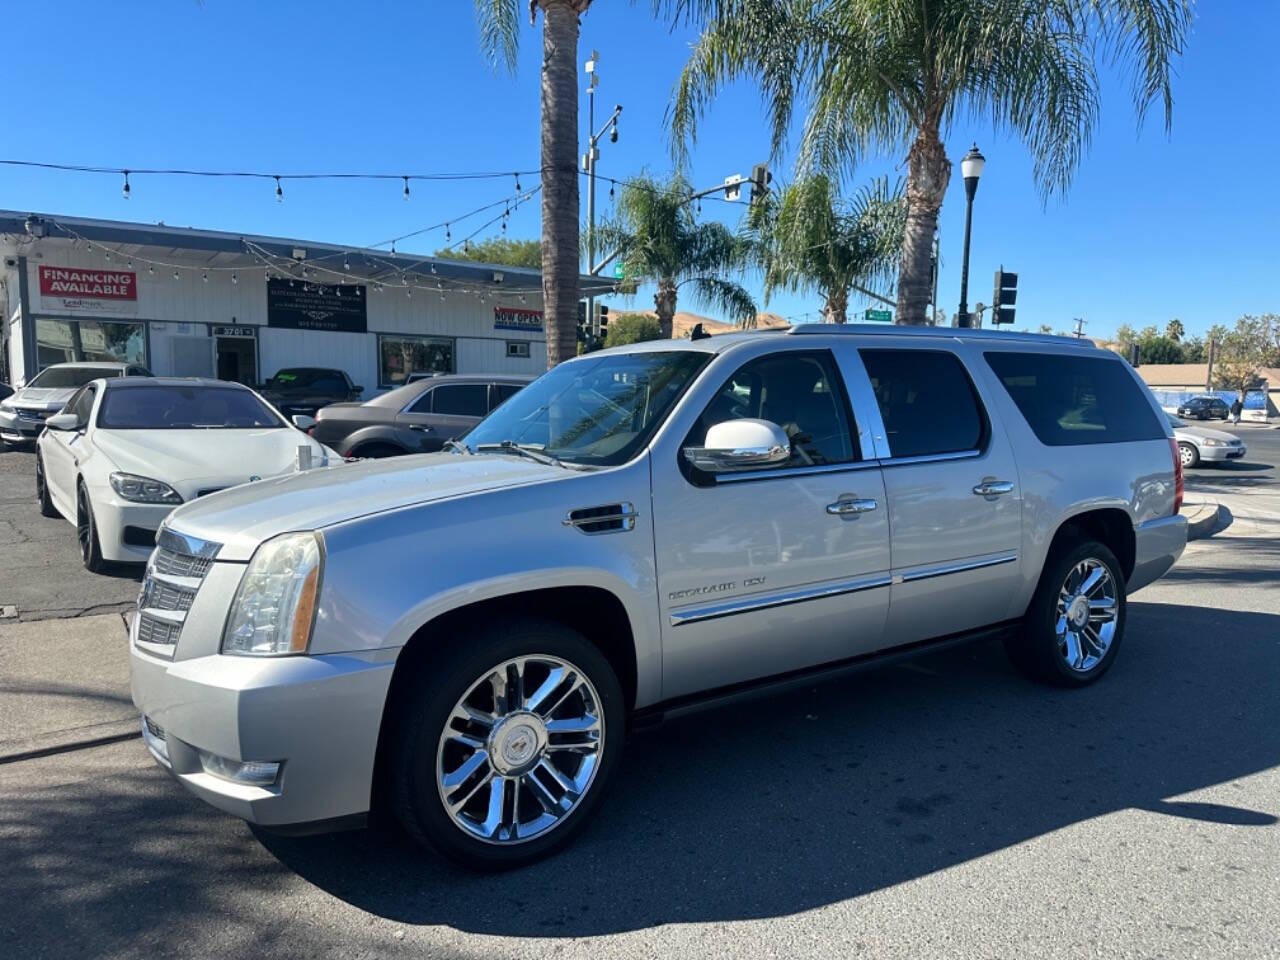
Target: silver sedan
1204,444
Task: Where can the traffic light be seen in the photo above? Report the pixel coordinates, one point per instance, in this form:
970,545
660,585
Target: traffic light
1135,355
601,330
1004,297
582,321
760,180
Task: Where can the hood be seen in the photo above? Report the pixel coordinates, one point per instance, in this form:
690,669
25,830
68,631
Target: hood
1207,432
242,517
43,397
195,460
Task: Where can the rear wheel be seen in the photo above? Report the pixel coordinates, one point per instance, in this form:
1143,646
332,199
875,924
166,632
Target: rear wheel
505,746
1188,454
47,509
87,533
1073,627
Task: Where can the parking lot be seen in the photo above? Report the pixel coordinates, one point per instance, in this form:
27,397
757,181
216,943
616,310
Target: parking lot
944,806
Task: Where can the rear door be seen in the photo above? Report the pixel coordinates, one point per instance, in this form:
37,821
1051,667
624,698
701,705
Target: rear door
955,502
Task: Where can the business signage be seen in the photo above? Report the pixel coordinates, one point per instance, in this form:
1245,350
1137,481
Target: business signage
71,288
511,318
297,305
216,330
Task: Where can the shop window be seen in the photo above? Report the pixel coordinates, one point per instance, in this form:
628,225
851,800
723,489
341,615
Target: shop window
517,348
103,341
399,356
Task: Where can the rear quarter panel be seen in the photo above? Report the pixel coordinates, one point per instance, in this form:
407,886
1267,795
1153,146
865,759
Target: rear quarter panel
1059,482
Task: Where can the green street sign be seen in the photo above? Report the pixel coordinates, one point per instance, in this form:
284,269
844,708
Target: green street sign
878,316
618,272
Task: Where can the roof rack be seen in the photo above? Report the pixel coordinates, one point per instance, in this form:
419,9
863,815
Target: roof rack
959,333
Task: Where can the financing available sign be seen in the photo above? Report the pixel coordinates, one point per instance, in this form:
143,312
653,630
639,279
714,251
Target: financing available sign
71,288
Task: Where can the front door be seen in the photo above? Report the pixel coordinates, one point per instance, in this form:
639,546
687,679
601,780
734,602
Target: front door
955,503
765,571
445,412
237,360
61,451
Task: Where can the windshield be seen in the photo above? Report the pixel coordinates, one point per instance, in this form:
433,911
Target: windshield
1175,421
185,408
305,378
61,377
598,412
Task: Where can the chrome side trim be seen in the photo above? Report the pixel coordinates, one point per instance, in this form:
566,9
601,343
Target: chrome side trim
928,573
746,604
582,518
779,472
930,458
175,542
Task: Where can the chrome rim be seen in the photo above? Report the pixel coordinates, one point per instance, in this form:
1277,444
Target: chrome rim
1184,451
1088,606
520,749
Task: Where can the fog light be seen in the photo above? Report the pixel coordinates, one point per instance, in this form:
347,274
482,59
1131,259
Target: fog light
153,736
254,773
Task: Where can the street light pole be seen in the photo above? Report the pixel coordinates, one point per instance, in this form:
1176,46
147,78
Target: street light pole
971,167
589,164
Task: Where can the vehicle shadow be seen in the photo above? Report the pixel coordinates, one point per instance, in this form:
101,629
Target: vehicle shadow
783,805
760,810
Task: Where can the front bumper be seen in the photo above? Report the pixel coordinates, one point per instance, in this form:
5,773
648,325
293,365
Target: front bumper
123,525
1157,546
17,428
318,717
1221,454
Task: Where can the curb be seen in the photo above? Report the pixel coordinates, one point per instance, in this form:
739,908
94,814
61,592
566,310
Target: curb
1202,519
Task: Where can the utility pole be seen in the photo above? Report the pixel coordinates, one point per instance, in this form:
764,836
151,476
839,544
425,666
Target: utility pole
589,159
1080,322
1208,375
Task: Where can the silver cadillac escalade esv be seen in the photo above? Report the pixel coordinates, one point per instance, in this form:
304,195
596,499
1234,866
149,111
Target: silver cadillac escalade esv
463,638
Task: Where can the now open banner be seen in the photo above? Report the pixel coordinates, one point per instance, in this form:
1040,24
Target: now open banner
73,288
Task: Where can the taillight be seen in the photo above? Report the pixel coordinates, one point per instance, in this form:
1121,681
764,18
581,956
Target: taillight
1177,476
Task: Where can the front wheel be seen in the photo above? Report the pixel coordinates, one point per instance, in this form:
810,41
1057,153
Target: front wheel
1073,627
505,746
47,509
87,533
1189,455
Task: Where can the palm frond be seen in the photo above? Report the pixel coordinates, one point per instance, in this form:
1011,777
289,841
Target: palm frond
729,298
499,22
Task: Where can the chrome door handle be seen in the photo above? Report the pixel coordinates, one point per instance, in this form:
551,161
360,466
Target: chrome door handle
993,488
420,427
849,506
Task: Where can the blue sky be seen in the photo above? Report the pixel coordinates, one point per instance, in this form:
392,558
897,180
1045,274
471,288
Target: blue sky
1154,226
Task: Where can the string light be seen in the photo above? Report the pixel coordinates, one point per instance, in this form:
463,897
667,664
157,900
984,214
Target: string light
125,191
175,275
517,176
234,279
447,236
393,249
129,266
279,191
205,276
346,265
406,189
151,269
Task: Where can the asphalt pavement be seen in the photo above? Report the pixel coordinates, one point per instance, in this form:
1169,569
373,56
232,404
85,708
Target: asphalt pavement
944,807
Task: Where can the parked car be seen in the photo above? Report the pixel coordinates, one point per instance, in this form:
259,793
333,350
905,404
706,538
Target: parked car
22,415
301,391
463,638
417,418
1204,408
125,452
1202,444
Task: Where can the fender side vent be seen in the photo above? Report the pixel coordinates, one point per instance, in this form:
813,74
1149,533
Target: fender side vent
608,518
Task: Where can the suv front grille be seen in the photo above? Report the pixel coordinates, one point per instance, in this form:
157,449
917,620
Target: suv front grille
177,569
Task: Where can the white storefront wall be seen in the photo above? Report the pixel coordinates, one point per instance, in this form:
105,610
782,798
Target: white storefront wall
178,314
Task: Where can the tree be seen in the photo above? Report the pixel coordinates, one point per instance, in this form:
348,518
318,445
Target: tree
1193,350
632,328
659,241
1174,330
499,39
1161,350
1242,353
499,250
898,74
804,238
1126,335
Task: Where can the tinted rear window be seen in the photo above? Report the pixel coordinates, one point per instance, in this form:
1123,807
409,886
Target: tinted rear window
461,399
927,402
1069,401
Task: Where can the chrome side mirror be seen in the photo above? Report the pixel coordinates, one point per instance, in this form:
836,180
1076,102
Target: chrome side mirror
741,445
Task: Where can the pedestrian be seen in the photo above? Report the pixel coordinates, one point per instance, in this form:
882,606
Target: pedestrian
1236,407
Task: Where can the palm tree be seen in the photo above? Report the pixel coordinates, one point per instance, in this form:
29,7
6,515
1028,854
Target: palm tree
658,241
499,39
1174,330
897,75
805,238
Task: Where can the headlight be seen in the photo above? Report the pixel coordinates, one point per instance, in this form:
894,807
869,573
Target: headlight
1210,442
6,405
143,489
275,605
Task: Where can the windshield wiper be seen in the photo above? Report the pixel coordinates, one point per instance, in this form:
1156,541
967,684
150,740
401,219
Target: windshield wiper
527,450
455,446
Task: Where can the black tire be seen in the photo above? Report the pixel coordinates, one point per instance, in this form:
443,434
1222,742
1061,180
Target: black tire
47,509
423,711
376,451
87,533
1036,648
1189,454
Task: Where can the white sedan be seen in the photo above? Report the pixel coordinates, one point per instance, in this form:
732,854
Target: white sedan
1198,445
124,452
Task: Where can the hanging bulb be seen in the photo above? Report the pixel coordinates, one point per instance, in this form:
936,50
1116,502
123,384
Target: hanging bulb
151,269
345,264
175,275
234,279
279,191
447,237
408,294
466,246
125,191
439,285
306,272
517,176
442,297
611,190
108,256
377,288
406,189
393,249
404,279
504,226
205,276
523,298
129,265
433,268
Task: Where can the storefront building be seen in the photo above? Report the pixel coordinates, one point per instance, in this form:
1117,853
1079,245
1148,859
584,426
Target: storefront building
203,303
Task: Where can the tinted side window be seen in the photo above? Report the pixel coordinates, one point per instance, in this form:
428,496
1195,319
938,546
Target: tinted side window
1076,400
460,399
504,391
422,404
800,393
927,402
81,404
